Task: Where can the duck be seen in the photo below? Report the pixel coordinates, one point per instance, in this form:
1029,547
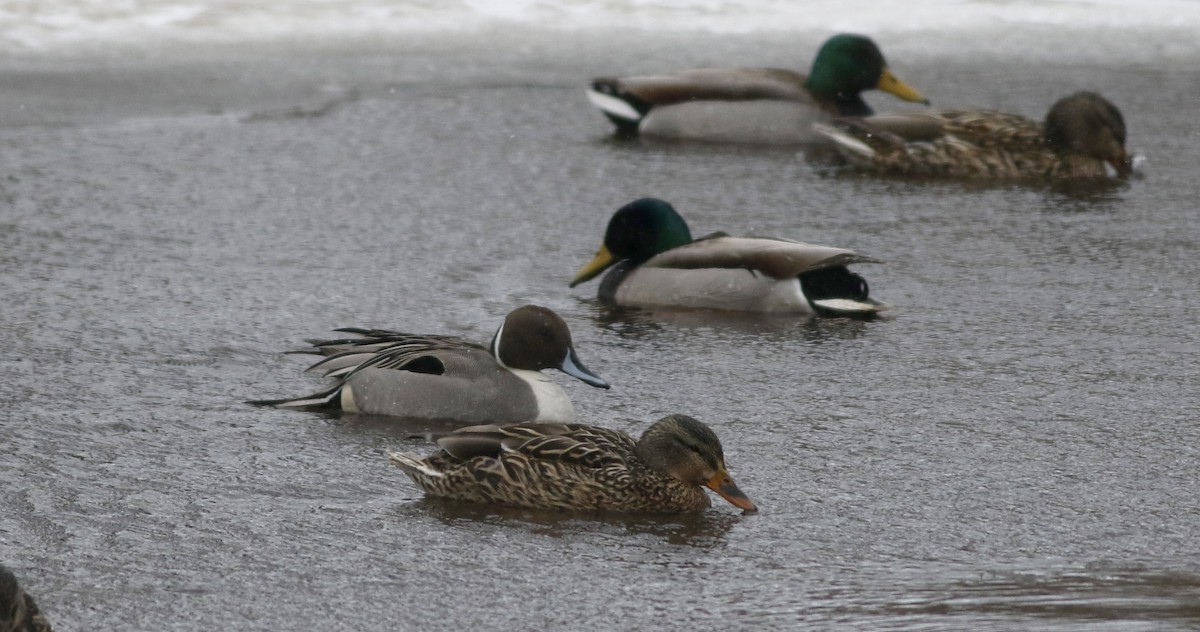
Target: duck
1082,136
655,263
18,611
445,378
579,467
751,105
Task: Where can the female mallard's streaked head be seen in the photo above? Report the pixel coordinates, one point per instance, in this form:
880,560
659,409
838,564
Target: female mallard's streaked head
688,450
637,231
1087,124
846,65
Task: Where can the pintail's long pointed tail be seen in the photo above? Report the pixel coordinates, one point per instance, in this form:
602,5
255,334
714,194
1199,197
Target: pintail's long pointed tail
327,399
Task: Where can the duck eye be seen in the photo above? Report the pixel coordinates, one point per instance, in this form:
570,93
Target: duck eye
705,456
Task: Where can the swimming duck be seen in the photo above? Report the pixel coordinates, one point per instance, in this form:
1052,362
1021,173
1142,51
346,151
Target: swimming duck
751,105
572,466
655,262
391,373
1083,136
18,612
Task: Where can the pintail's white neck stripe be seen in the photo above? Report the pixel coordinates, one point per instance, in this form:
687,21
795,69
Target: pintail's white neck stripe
496,347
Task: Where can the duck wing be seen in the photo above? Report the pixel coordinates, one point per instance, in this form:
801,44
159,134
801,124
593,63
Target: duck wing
391,351
573,444
402,352
776,258
626,100
720,84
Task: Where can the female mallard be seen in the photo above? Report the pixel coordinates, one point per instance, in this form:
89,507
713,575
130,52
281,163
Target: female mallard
751,105
18,612
658,264
447,378
557,466
1083,137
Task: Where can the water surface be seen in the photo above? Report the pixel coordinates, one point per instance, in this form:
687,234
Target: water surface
1014,446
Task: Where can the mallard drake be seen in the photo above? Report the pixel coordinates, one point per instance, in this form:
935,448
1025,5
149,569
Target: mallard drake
572,466
752,105
415,376
1083,137
655,262
18,612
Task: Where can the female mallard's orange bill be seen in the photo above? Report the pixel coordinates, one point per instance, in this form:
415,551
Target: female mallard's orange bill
891,84
727,489
598,264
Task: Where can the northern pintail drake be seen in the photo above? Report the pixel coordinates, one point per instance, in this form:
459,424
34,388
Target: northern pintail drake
751,105
18,611
572,466
655,262
1083,136
446,378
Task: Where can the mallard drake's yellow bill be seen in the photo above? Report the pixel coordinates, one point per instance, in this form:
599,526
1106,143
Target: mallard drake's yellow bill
598,264
891,84
723,484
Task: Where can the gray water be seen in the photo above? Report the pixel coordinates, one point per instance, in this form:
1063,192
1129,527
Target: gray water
1015,446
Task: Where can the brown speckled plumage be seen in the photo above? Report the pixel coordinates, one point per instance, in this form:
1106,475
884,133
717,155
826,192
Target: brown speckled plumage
1081,134
18,612
573,466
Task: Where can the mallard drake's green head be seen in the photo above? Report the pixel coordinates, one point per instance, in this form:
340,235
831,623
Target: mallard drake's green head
847,65
1086,123
688,450
637,231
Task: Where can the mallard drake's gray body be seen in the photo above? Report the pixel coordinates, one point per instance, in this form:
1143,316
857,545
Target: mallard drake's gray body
655,262
751,105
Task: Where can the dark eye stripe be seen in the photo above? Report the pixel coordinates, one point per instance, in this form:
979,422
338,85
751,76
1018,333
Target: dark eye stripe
705,455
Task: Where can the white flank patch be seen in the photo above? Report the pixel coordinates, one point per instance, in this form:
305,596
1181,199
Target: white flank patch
614,106
846,305
844,140
347,395
552,402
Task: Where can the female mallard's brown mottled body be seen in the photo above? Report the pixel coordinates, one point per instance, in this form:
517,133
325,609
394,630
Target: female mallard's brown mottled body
1083,133
573,466
18,612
